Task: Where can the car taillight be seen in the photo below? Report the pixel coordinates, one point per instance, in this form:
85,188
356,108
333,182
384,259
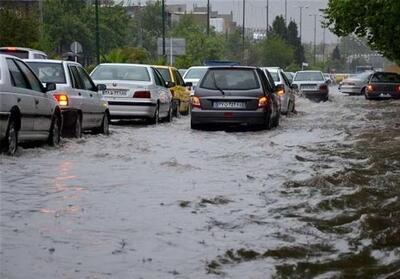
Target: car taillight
62,99
398,88
195,102
323,87
370,88
263,102
142,94
11,48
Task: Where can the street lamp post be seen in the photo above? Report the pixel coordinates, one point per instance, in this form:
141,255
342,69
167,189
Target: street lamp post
301,17
208,17
97,32
243,28
315,37
266,31
163,26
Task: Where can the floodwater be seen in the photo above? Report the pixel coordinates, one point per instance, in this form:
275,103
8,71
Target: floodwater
317,197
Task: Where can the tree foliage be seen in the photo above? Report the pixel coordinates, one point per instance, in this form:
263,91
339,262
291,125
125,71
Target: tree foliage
376,20
274,51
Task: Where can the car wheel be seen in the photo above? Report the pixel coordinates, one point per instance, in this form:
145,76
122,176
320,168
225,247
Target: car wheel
55,131
11,137
195,126
156,118
105,124
77,129
276,120
268,121
170,114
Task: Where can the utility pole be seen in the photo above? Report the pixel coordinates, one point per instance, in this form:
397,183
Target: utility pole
243,29
208,17
286,11
315,37
301,16
163,26
266,32
323,44
97,32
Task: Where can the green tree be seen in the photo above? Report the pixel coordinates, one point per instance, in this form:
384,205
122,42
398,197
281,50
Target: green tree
294,40
336,53
274,51
376,20
279,28
128,55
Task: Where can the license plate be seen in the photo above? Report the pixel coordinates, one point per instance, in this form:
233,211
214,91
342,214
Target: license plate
116,92
229,105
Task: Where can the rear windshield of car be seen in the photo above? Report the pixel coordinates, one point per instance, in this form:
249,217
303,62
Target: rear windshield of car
311,76
165,73
23,54
274,75
230,79
121,72
195,73
48,72
386,77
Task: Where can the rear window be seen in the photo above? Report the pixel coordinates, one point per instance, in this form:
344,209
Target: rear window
230,79
48,72
274,75
121,72
23,54
309,76
195,73
386,77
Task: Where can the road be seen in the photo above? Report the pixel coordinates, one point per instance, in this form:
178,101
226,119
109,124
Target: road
316,197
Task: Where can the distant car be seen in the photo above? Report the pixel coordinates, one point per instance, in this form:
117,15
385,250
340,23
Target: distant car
182,71
234,95
27,111
80,100
383,84
179,91
135,91
23,52
355,84
285,91
290,76
312,85
328,78
194,75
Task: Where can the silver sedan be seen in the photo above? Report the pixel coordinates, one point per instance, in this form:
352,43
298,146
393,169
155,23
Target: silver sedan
135,91
355,84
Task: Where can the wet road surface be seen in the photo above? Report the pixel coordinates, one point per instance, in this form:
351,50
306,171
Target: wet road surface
317,197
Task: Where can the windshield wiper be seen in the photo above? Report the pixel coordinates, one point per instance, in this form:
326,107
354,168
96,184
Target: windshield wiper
217,87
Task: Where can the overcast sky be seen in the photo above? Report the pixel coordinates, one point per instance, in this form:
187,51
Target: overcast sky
256,13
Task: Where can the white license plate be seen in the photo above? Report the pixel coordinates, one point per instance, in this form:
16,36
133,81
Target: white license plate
116,92
229,105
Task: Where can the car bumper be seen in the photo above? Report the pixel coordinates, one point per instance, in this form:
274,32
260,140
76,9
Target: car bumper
228,117
131,110
351,90
316,95
376,95
4,118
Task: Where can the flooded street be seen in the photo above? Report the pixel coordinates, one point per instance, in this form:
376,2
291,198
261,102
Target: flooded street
317,197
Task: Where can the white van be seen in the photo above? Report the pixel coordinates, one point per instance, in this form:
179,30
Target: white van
23,53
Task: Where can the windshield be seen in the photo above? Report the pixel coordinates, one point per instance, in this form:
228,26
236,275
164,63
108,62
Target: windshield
195,73
309,76
121,72
362,76
48,72
165,73
274,75
386,77
230,79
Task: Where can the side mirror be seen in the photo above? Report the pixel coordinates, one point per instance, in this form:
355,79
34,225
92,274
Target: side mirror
189,84
101,87
50,86
169,84
295,86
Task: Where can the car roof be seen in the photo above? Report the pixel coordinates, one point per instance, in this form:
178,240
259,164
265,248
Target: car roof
309,71
25,49
233,67
199,67
164,67
124,64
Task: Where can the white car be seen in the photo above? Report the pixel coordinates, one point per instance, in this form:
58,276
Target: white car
23,52
312,85
285,91
194,75
81,101
27,111
135,91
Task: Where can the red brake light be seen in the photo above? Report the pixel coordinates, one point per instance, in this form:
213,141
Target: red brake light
398,88
370,88
62,99
263,102
195,101
142,94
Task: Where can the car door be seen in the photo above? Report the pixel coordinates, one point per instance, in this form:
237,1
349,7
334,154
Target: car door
165,96
96,108
288,87
85,105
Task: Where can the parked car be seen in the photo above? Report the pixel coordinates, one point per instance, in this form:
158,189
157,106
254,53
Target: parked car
290,76
355,84
383,84
194,75
27,111
179,91
81,102
234,95
135,91
23,52
312,85
285,91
